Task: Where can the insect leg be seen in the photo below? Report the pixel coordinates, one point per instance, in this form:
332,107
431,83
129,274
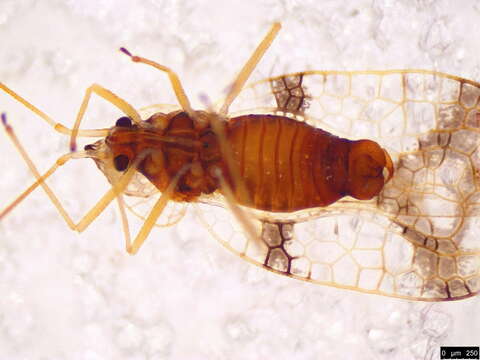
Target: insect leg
56,126
218,122
124,218
155,213
94,211
40,178
249,66
238,212
173,77
106,94
218,127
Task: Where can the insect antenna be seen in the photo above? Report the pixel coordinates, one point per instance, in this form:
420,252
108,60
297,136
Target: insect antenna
62,129
173,77
40,178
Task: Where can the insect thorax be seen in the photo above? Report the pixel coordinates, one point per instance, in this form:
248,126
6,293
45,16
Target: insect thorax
161,147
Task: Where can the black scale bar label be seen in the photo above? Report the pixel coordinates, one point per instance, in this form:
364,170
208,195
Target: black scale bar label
459,352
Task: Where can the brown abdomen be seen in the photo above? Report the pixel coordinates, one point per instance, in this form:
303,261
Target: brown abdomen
287,165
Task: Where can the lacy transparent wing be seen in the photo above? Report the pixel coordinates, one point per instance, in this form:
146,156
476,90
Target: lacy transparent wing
355,249
142,196
417,239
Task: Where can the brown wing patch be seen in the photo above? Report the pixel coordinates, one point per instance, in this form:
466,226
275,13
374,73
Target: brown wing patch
290,94
278,237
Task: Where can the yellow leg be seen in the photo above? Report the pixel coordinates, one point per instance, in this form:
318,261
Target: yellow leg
155,213
106,94
117,189
237,211
174,80
218,126
247,69
56,126
124,218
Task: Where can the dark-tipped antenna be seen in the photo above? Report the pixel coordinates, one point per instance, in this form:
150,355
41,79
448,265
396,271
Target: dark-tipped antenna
133,57
8,128
126,52
174,80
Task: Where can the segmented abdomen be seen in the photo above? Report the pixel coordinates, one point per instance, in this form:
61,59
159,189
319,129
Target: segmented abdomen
285,164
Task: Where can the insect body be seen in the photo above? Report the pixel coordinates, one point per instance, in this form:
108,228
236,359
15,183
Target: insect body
286,165
310,205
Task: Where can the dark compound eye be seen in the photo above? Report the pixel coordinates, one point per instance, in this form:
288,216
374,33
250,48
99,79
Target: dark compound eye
124,122
121,162
88,147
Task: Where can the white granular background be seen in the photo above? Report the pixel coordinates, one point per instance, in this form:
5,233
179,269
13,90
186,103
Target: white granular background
70,296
